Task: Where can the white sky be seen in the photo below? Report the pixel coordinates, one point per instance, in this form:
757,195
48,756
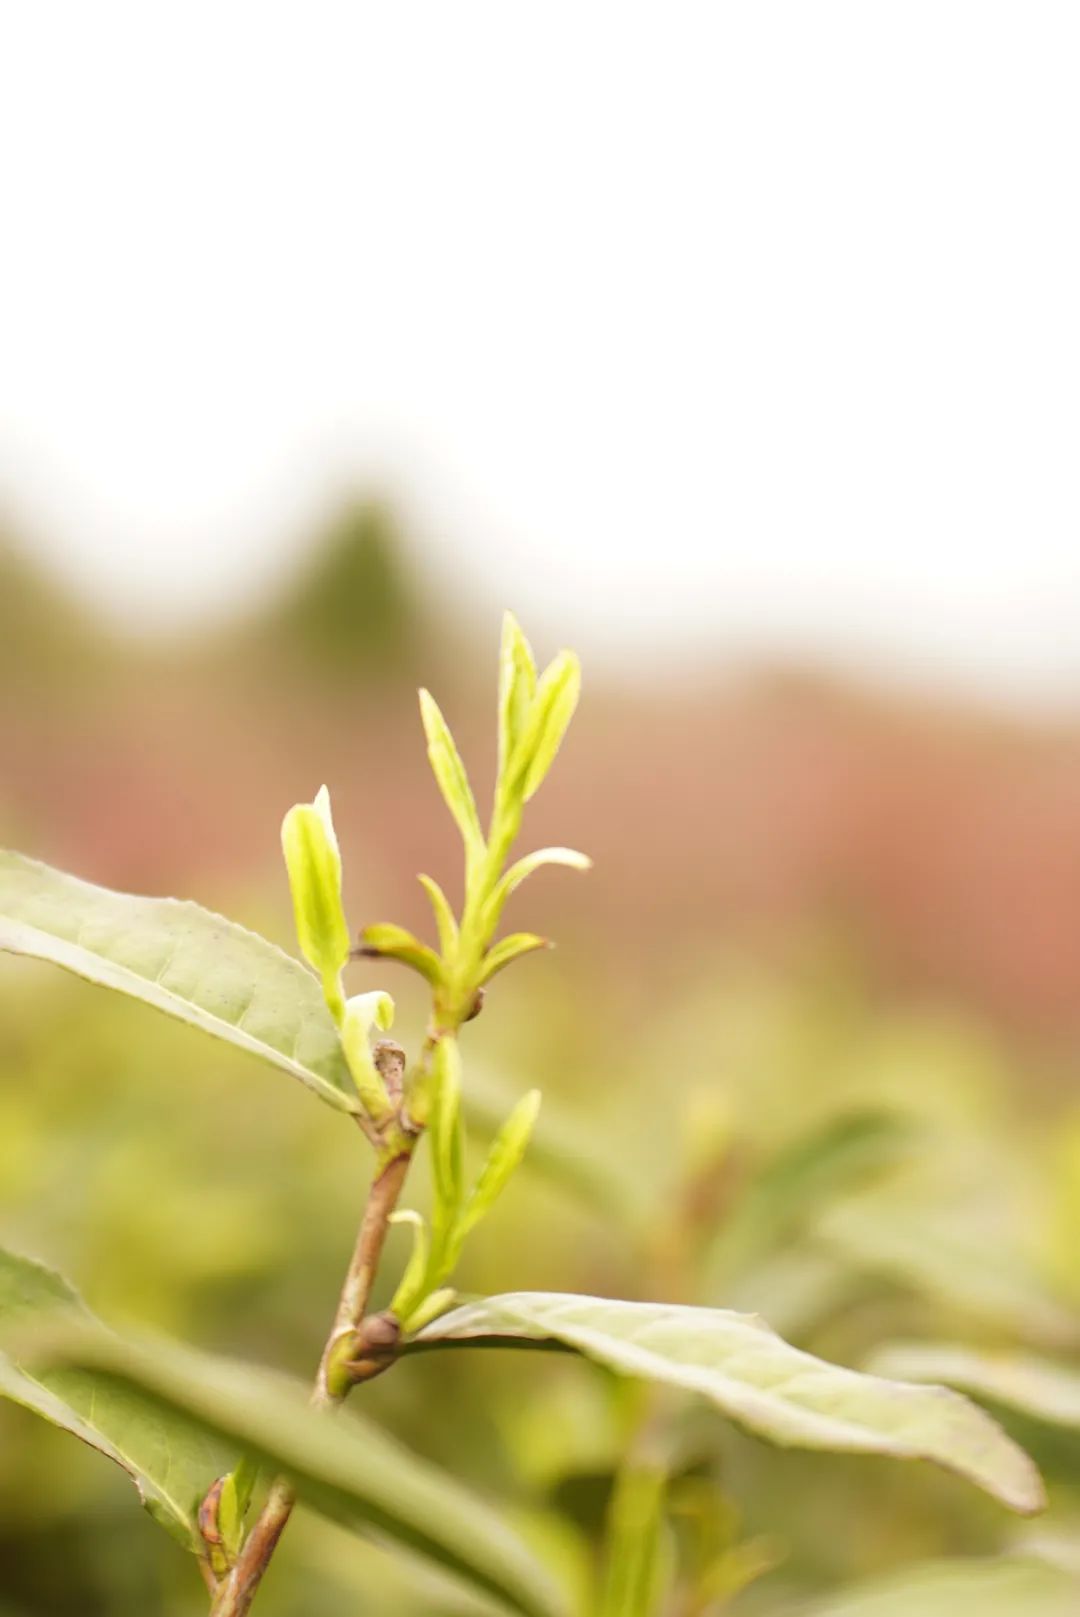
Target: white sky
736,326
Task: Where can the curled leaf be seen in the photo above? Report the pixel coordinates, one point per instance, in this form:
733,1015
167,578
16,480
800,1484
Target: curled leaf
363,1014
391,942
524,868
508,950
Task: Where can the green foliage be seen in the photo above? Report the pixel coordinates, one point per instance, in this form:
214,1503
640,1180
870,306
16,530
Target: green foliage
789,1191
177,1403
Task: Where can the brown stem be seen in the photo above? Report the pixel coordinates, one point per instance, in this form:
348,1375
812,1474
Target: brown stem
237,1591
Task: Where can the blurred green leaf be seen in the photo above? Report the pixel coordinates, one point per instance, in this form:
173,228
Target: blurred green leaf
1010,1587
948,1260
171,1462
801,1179
183,960
1050,1392
634,1566
340,1464
758,1380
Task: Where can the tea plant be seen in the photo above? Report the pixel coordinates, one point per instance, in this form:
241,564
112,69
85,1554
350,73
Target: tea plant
219,1451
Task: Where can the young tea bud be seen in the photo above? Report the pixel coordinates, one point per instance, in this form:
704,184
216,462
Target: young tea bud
313,862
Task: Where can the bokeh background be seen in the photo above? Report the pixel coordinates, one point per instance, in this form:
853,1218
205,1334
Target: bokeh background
736,347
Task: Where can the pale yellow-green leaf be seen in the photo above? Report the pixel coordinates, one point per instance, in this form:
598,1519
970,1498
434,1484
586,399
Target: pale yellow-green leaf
575,1158
505,1154
444,915
449,772
760,1381
183,960
517,686
553,707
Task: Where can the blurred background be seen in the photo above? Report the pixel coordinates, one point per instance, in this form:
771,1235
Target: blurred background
736,347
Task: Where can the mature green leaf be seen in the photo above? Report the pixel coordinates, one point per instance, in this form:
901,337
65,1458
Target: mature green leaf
1050,1392
1013,1586
171,1461
340,1464
183,960
759,1380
